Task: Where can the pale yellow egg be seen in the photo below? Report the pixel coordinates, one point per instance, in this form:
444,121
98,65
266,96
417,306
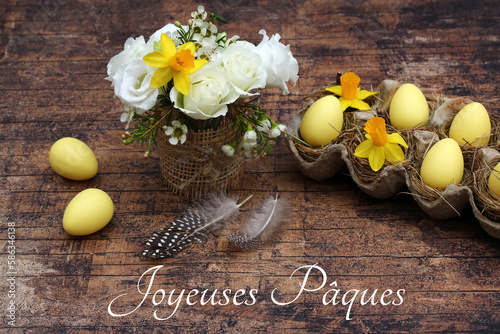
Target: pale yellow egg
408,108
471,126
88,212
443,164
494,180
73,159
322,122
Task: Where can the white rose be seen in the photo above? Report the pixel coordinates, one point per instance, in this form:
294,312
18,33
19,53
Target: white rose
170,29
242,67
133,86
278,61
209,96
134,47
131,77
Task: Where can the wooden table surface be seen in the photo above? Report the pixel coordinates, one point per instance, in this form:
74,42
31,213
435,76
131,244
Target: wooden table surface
443,275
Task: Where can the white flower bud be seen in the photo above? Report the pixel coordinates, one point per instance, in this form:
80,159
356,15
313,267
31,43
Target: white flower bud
228,150
274,132
264,126
248,146
250,135
249,154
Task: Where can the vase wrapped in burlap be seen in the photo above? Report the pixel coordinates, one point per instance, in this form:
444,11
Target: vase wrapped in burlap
199,167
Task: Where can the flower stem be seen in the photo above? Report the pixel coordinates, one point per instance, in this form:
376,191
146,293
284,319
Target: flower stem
298,139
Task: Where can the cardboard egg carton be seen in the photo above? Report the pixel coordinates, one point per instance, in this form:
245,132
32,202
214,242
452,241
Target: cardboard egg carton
325,163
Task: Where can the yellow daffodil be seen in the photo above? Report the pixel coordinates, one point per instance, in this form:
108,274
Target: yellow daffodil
350,94
173,63
379,146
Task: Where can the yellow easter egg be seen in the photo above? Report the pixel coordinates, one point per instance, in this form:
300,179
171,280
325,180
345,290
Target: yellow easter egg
494,180
471,126
322,122
443,164
73,159
408,108
88,212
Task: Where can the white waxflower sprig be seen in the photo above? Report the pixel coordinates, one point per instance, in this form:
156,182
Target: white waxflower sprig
257,131
177,132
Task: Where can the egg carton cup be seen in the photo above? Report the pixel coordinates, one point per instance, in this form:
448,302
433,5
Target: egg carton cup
446,204
323,163
387,184
329,162
486,205
386,91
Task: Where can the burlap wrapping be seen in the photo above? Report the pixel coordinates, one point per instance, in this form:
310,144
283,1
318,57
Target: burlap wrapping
323,163
199,167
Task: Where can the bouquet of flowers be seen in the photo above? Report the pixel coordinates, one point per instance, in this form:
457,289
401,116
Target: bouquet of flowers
188,79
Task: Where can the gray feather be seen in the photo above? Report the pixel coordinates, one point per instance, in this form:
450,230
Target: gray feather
203,221
264,226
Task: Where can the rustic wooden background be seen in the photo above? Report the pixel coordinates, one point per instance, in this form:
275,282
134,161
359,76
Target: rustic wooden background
53,57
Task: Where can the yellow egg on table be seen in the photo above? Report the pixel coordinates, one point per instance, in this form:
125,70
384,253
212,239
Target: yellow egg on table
322,122
73,159
443,164
408,108
471,126
88,212
494,180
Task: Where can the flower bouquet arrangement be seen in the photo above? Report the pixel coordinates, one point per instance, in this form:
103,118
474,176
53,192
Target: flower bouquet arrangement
445,150
192,90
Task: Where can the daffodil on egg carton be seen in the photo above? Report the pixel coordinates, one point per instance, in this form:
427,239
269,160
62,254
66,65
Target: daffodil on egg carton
366,133
325,156
360,125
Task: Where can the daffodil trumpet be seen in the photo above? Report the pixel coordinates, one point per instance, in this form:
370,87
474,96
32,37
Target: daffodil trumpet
350,95
380,146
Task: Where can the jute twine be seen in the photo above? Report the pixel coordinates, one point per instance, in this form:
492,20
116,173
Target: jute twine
199,167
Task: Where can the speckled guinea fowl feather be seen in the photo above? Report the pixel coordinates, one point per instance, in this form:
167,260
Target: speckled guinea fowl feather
202,222
265,225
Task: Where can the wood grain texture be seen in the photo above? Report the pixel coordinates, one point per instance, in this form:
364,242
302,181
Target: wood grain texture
53,57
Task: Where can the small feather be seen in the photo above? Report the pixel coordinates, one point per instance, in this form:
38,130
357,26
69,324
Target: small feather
202,222
264,226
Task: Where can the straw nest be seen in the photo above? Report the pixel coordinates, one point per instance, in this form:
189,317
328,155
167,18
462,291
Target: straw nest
432,194
350,122
487,201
